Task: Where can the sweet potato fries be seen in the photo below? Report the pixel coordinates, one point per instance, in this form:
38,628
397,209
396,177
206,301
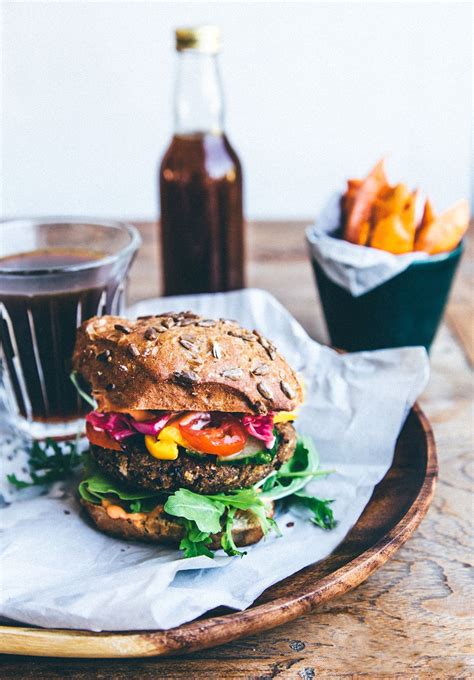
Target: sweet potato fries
379,215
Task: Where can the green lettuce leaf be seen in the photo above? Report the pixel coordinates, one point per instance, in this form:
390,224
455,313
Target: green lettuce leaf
214,514
323,516
241,499
295,473
195,542
289,481
96,486
227,540
204,515
203,510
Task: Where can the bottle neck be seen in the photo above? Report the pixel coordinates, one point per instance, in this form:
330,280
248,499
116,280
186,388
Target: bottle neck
198,97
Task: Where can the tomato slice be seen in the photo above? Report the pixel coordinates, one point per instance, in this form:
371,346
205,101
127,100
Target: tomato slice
101,438
221,435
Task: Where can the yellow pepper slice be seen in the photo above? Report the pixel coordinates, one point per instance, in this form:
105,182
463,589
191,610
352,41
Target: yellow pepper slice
159,449
165,447
284,416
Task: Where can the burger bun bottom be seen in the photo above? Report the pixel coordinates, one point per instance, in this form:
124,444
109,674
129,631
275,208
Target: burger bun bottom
157,527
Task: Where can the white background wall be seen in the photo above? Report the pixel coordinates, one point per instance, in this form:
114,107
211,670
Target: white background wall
315,92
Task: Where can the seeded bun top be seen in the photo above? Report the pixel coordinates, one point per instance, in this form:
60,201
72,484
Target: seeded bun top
183,362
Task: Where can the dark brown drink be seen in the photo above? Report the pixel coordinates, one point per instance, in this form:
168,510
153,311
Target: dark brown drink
37,332
201,215
54,276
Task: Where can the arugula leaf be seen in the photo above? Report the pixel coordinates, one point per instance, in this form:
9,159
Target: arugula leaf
56,462
251,501
241,499
20,484
97,487
195,542
266,523
289,481
200,515
214,514
203,510
322,514
295,473
204,515
74,377
227,540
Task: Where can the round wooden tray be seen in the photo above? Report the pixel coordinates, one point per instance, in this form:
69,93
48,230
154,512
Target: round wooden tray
398,504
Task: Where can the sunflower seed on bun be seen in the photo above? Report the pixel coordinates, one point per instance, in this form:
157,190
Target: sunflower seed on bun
177,362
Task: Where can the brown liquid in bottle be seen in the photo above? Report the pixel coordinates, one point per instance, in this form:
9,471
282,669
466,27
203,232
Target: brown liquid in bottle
201,215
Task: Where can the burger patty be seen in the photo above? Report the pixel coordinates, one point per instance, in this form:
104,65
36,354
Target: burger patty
139,469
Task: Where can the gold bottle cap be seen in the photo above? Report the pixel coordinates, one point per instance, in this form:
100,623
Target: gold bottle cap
206,39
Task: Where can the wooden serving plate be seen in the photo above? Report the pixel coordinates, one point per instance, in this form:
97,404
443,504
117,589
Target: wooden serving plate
398,505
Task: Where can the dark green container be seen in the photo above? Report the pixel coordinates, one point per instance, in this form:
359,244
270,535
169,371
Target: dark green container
405,310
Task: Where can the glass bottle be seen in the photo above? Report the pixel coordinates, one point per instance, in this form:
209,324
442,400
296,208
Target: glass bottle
202,229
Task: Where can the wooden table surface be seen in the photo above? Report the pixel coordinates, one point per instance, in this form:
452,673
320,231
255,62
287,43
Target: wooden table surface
413,617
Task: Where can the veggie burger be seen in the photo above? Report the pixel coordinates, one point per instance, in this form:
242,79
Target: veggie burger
191,432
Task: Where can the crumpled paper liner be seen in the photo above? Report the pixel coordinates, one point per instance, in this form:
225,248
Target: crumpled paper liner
358,269
58,571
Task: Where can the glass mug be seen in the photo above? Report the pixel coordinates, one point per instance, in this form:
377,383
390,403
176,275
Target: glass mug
54,274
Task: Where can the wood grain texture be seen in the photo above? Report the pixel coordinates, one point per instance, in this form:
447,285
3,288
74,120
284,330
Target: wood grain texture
395,510
460,312
410,619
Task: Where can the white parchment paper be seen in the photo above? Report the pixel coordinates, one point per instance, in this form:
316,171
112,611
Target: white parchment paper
59,571
358,269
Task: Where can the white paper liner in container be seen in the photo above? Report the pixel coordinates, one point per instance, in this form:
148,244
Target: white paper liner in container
58,571
358,269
